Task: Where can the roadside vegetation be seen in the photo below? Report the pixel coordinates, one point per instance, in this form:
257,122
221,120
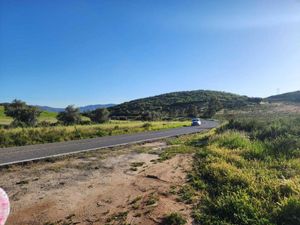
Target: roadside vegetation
38,135
27,125
246,172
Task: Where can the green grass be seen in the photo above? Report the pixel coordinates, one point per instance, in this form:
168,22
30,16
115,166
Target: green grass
48,117
247,173
37,135
4,120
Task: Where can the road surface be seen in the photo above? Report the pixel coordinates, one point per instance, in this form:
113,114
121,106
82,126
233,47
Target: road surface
28,153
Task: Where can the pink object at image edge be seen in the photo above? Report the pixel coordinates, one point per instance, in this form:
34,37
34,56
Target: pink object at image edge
4,206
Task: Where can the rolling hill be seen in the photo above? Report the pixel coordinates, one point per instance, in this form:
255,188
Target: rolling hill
180,104
286,97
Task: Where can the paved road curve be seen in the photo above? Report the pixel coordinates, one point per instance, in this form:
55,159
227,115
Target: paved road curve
27,153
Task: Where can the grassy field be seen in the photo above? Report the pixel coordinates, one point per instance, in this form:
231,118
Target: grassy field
246,172
26,136
4,120
48,117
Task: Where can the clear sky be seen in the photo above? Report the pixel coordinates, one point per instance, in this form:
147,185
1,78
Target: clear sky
60,52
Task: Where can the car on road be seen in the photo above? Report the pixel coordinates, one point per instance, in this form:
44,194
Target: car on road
196,122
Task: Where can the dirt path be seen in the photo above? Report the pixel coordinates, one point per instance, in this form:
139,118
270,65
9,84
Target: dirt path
118,187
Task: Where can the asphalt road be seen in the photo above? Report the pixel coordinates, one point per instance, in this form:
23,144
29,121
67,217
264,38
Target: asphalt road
27,153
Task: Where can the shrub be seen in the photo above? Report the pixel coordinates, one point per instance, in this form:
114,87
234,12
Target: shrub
233,140
288,213
99,115
147,126
23,114
70,116
284,146
174,219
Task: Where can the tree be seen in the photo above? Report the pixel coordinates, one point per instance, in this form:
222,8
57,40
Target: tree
151,116
255,100
99,115
70,116
23,115
214,105
192,111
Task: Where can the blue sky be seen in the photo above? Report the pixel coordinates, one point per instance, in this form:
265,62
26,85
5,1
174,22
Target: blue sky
62,52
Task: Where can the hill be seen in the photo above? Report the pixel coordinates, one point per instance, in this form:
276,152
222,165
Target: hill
181,104
82,108
286,97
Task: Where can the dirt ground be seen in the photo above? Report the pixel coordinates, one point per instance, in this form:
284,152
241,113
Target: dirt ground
115,186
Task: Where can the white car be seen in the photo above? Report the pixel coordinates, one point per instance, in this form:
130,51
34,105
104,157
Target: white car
196,122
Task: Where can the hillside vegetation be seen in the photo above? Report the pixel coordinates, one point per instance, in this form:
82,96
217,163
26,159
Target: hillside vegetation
286,97
181,104
246,172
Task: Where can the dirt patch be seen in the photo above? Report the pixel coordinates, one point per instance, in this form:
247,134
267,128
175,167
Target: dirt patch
112,187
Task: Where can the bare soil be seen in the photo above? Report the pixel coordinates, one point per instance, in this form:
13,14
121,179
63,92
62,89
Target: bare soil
115,186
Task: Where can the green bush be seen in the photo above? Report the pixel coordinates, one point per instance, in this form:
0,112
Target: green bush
284,146
147,126
288,213
174,219
233,140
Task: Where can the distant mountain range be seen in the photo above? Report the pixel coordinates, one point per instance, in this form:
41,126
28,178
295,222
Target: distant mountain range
82,108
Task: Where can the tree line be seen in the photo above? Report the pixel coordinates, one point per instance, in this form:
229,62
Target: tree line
25,115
